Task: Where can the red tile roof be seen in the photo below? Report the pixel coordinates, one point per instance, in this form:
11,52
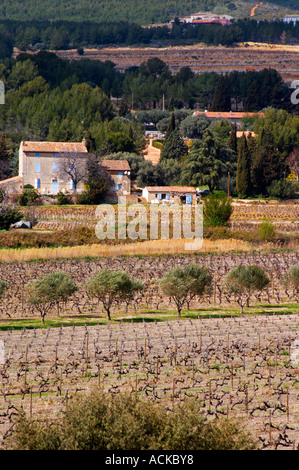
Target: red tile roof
116,165
229,115
170,189
58,147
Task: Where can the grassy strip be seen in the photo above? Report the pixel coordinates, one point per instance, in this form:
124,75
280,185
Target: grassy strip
146,316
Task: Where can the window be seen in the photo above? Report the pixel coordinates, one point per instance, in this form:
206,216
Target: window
55,154
37,167
188,199
55,167
72,184
37,183
37,154
118,187
120,173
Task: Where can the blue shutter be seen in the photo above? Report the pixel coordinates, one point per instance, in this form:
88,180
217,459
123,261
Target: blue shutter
120,173
37,167
55,167
167,196
188,199
37,183
159,196
37,154
55,154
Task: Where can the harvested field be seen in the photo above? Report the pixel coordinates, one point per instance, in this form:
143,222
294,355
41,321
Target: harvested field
201,58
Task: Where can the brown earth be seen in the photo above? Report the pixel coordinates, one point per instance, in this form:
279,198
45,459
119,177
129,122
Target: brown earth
201,58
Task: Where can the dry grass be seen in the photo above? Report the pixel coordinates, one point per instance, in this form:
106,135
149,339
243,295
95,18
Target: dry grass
149,247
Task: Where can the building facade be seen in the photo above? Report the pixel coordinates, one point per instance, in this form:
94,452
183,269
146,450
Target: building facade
169,194
43,166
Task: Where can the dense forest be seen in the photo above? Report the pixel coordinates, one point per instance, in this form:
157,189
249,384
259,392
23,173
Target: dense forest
45,35
48,98
138,11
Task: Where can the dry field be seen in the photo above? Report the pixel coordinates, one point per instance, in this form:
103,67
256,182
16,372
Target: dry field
245,215
240,367
201,58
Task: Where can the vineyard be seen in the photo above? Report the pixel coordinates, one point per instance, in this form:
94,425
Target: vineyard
200,58
245,216
243,367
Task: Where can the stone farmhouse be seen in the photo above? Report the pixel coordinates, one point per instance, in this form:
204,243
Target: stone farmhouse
39,166
169,194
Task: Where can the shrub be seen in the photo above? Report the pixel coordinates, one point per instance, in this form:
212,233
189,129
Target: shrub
97,421
217,210
28,197
62,199
266,231
9,215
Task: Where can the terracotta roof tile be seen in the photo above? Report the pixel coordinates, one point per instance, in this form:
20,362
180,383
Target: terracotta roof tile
116,165
58,147
171,189
229,115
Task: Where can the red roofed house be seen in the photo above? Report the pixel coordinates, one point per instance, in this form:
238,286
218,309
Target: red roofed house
231,116
170,194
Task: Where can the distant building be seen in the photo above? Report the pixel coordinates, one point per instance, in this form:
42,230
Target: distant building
169,194
39,164
291,19
39,167
233,117
120,175
206,18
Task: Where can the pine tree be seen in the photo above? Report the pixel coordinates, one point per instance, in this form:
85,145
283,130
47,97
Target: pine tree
243,169
222,96
174,146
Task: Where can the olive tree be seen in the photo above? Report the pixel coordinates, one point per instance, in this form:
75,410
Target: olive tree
52,290
291,281
243,281
183,285
110,287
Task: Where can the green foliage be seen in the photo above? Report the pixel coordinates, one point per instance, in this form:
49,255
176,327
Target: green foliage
222,98
63,199
217,210
283,189
9,215
53,289
243,281
96,421
291,281
266,230
243,181
174,147
182,285
208,160
109,287
28,197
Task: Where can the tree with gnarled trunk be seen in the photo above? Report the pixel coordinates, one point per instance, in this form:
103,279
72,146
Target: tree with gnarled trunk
109,287
243,281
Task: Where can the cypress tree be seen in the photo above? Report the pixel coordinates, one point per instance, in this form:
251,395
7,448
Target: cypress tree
243,169
222,96
268,165
233,141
